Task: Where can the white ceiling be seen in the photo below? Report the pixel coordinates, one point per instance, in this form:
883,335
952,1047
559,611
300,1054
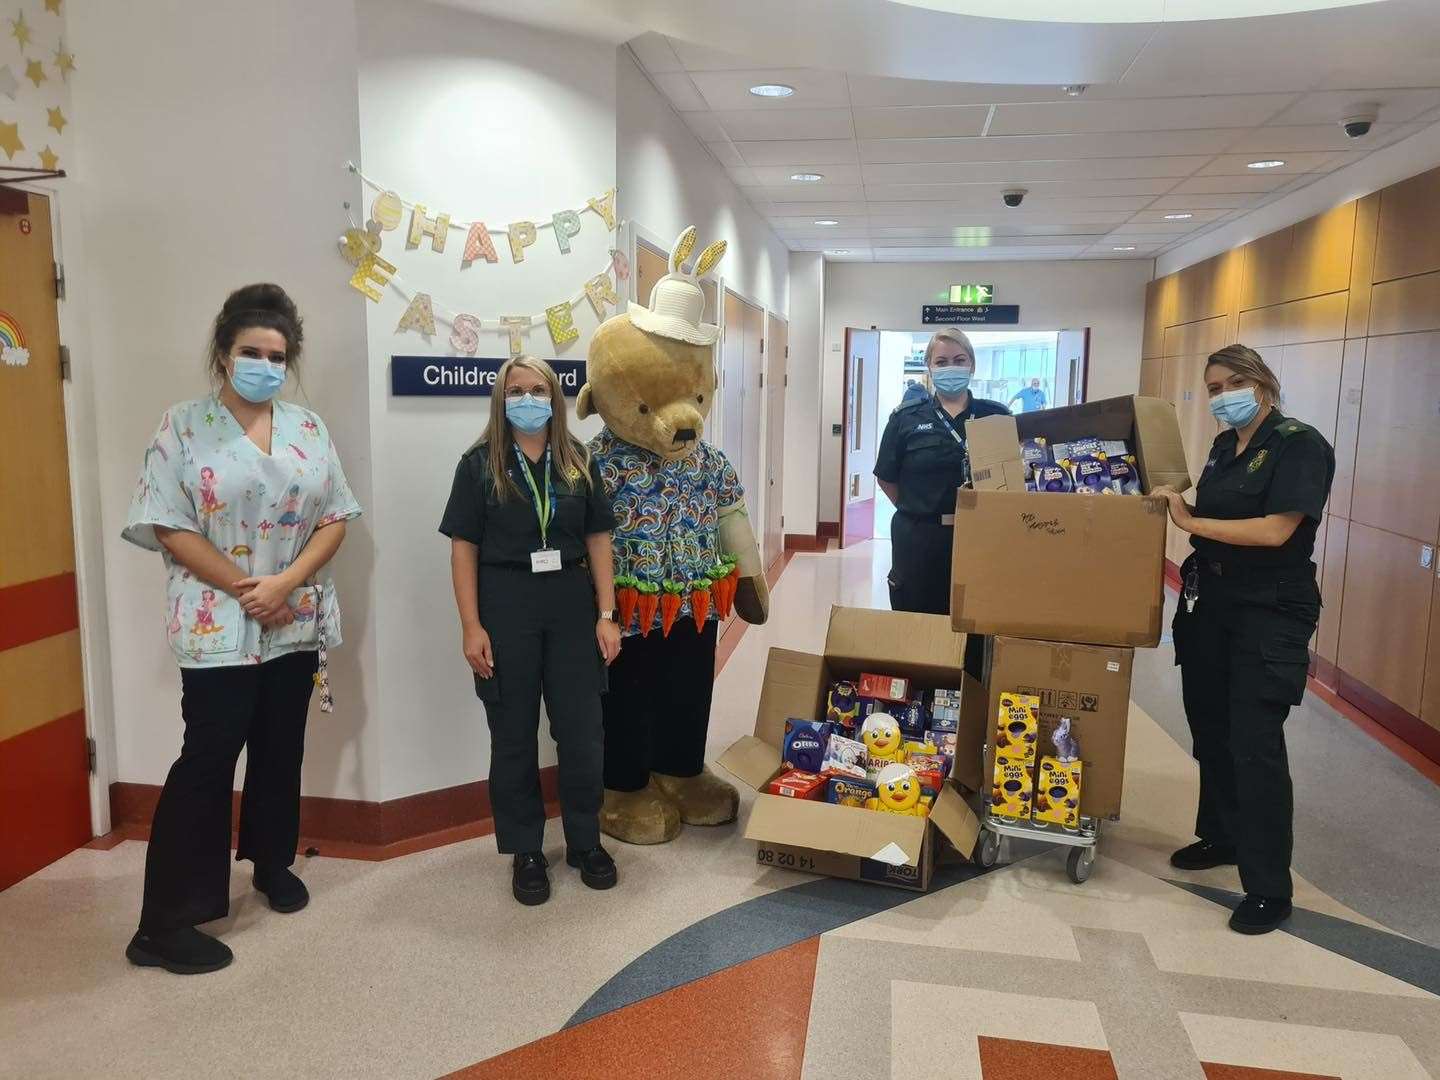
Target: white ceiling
914,169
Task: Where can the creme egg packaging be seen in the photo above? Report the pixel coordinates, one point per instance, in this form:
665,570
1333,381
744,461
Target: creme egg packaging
842,706
842,791
1017,726
844,757
804,744
1057,792
1011,791
1091,474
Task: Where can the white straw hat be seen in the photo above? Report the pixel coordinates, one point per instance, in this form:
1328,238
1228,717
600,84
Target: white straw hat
677,303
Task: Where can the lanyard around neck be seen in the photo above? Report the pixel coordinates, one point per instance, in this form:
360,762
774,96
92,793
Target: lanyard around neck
945,420
544,508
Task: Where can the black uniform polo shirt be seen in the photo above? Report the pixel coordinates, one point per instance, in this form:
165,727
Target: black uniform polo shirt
920,456
1287,468
507,531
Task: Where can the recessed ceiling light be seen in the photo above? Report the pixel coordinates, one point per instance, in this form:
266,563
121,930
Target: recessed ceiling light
772,90
1129,248
1274,163
807,177
1178,217
826,221
1074,91
839,251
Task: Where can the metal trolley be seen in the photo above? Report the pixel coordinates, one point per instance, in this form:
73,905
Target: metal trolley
1081,840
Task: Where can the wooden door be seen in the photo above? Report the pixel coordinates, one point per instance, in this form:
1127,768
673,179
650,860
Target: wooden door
730,430
777,345
650,267
752,405
44,769
859,437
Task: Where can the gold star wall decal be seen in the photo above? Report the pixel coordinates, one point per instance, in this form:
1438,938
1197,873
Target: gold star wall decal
49,160
64,61
10,140
20,30
35,72
57,120
53,6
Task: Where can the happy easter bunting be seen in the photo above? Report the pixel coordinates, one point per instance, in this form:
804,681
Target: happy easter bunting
562,325
478,246
418,316
600,292
516,325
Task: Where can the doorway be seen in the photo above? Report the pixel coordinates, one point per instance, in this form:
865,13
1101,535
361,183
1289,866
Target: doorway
44,752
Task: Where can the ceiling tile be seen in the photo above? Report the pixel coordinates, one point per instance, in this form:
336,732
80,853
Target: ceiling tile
705,126
1207,201
813,89
1200,216
985,197
726,154
681,92
1311,137
849,223
925,122
779,175
799,152
1252,180
810,193
1047,147
785,124
1021,172
963,254
1039,190
701,58
880,91
1331,106
1237,164
742,177
654,53
1155,114
1158,228
1009,229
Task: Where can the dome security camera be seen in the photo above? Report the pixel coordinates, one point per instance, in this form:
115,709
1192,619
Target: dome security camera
1358,125
1014,196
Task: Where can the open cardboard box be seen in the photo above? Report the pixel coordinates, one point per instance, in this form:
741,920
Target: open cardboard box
844,841
1065,567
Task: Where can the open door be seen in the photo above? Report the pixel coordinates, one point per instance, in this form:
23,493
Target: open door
777,351
44,760
860,436
1072,366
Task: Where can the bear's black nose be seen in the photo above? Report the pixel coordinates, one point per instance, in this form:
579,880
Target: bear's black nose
685,434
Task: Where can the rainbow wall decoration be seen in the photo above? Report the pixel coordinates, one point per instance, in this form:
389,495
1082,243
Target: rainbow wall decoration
12,342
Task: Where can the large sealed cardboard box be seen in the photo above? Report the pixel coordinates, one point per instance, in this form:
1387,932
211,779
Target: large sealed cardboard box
844,841
1063,566
1090,684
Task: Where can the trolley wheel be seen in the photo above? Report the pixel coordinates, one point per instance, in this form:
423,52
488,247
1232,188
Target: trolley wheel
989,852
1079,864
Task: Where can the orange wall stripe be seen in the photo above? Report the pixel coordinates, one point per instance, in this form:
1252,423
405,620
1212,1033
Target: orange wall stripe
38,609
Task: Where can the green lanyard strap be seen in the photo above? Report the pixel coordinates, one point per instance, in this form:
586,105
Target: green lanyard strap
544,508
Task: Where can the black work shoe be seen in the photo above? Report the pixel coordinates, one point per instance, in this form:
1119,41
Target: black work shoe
529,881
283,889
186,951
1203,855
1259,915
597,868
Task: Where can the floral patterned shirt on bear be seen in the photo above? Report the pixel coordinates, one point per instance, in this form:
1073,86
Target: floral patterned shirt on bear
667,512
204,475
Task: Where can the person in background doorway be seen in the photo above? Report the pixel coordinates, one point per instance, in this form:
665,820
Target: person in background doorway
1242,630
244,496
915,390
530,557
1031,398
921,462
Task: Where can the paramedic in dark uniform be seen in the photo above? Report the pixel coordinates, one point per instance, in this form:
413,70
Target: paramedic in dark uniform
1248,609
921,461
529,524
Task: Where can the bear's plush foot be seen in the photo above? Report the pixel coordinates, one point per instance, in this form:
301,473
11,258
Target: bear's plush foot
639,817
701,800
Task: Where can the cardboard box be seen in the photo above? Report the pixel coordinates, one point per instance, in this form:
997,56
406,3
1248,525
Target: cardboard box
1088,683
844,841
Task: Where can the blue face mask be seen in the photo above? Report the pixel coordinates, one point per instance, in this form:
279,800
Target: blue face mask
1235,408
257,381
527,413
950,380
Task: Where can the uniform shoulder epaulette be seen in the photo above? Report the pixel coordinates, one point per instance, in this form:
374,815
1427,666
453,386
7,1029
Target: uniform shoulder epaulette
1288,427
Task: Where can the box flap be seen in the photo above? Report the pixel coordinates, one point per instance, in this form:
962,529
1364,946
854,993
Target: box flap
1158,445
953,817
794,686
751,760
848,830
1108,418
990,440
885,641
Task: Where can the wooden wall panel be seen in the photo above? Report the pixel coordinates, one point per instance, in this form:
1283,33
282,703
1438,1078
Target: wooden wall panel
1362,265
1320,250
1263,280
1386,614
1152,376
1316,318
1311,384
1332,587
1430,694
1405,305
1347,425
1209,289
1317,556
1399,439
1262,328
1159,313
1407,240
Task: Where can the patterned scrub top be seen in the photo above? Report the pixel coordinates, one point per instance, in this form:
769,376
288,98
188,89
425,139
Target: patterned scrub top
202,474
667,512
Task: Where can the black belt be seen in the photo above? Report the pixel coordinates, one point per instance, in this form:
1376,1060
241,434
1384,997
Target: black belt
1240,574
929,519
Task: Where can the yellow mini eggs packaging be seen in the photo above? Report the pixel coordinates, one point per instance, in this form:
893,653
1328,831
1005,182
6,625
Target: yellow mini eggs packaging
1010,794
1057,792
1017,726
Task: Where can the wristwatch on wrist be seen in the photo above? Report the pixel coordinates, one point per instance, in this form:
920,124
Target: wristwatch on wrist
608,614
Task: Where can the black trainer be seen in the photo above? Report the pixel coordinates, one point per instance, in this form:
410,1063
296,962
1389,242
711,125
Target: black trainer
186,951
597,868
282,888
1203,855
529,881
1259,914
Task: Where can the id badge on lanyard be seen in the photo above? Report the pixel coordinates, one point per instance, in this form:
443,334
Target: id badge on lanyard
547,559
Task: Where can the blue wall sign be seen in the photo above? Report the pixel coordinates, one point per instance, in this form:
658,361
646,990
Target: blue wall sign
465,376
960,314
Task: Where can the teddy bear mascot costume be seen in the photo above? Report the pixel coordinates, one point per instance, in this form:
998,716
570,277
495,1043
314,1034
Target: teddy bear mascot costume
685,553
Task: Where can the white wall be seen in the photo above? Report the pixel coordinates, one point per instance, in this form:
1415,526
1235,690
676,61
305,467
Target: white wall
485,120
189,180
803,437
1107,296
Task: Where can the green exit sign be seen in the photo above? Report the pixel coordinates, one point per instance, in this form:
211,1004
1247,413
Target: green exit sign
971,294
